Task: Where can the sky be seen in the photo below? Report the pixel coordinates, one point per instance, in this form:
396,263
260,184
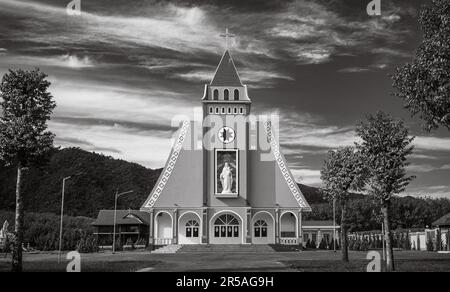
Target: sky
122,69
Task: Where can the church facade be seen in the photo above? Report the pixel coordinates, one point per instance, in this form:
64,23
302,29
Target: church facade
226,180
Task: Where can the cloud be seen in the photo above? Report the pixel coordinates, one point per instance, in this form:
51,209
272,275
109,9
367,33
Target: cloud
309,177
353,70
432,143
63,61
74,61
423,156
439,191
427,167
391,52
151,151
258,78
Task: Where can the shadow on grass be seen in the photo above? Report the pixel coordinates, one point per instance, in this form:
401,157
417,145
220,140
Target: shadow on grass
91,266
402,265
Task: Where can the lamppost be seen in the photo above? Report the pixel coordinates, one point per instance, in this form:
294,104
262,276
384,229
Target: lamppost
115,215
62,213
334,224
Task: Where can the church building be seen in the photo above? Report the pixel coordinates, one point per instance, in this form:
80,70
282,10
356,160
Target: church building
236,187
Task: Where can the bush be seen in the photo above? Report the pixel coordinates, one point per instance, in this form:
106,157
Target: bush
129,244
41,230
118,245
323,244
140,242
336,242
430,246
356,244
87,245
364,246
351,243
372,244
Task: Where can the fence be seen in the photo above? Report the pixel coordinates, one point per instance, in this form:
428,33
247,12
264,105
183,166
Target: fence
416,239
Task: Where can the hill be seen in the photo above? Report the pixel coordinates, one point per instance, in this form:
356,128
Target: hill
86,194
94,190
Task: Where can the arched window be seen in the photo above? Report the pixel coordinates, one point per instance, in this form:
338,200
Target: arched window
226,226
260,228
216,94
241,110
226,94
217,110
210,110
192,228
235,110
229,110
223,110
236,94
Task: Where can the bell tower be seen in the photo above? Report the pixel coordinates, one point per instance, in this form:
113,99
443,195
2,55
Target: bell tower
226,95
226,105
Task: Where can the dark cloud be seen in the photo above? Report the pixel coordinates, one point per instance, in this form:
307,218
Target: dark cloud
127,125
322,64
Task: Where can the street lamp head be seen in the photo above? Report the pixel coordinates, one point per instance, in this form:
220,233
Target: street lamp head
124,193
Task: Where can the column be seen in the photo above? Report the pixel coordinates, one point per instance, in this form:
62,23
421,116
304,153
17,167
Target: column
175,226
248,236
277,226
300,229
151,231
205,226
319,237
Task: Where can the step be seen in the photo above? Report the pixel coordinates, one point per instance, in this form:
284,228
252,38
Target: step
224,248
167,249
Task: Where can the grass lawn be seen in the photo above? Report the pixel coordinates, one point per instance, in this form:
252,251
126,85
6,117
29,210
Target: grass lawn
424,265
305,261
48,262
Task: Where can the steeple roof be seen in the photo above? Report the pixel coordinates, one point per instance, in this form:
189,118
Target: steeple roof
226,73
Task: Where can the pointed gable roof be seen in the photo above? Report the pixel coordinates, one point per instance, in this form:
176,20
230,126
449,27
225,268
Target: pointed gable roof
226,73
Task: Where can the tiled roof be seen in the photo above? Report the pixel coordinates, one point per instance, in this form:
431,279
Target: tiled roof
124,217
226,74
443,221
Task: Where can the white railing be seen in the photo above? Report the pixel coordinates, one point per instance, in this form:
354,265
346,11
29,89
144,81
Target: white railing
288,240
163,241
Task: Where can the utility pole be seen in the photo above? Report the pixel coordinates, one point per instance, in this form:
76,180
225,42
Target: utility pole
117,195
62,213
61,220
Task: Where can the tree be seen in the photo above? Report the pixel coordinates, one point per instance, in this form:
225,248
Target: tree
343,172
26,105
385,147
424,84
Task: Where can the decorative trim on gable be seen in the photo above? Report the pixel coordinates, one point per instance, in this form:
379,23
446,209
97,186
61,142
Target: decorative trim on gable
284,168
168,169
132,216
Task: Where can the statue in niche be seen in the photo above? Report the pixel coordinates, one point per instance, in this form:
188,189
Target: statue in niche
226,178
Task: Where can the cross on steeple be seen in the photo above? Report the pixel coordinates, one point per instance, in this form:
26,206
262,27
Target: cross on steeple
226,36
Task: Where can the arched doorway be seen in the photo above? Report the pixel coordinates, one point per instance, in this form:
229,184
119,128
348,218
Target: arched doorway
288,225
226,228
263,228
189,228
164,233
